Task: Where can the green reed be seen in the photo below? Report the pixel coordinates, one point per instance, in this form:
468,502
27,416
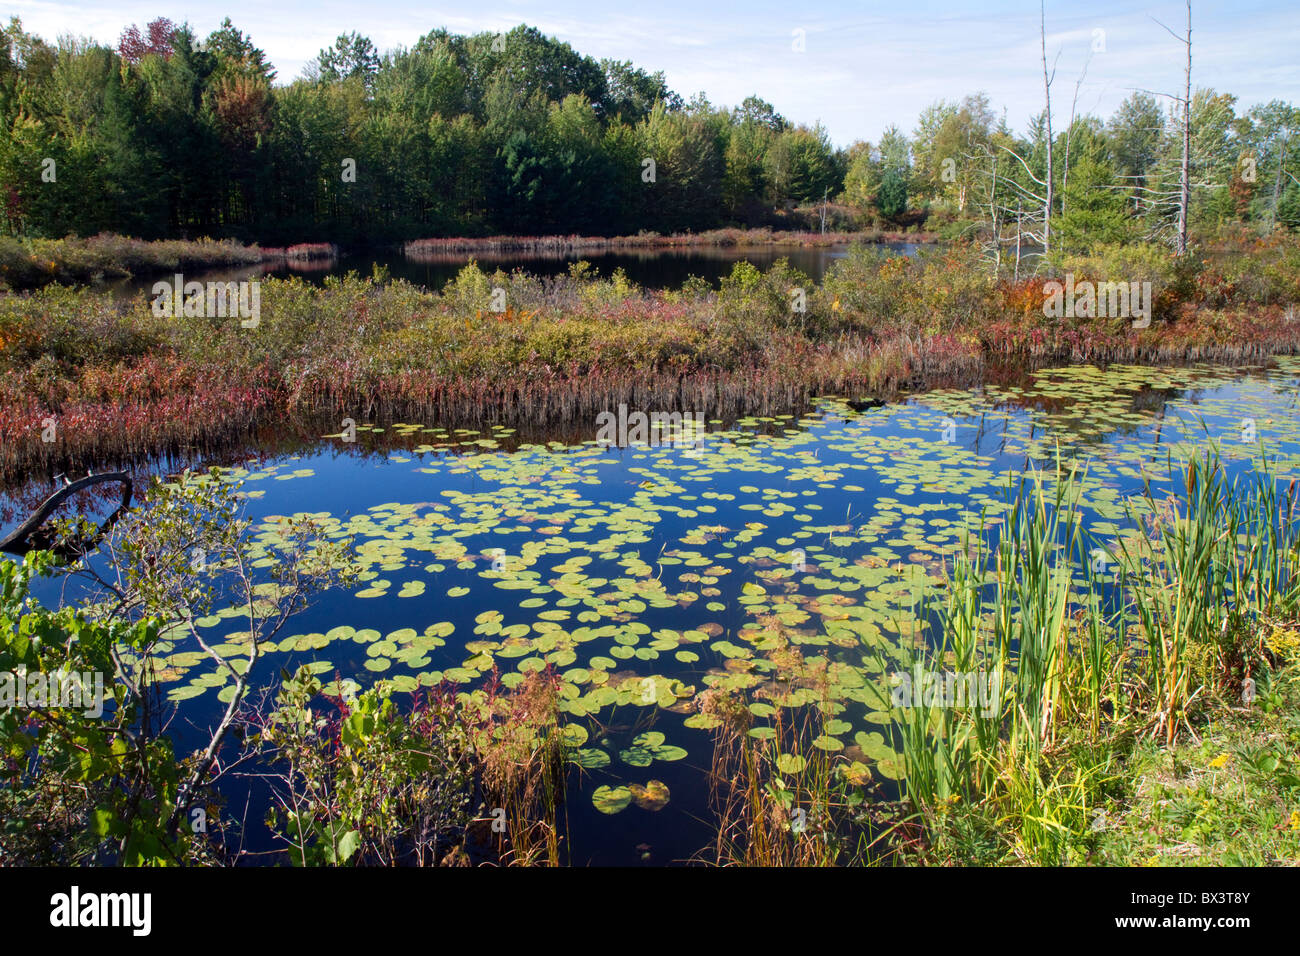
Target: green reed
1074,655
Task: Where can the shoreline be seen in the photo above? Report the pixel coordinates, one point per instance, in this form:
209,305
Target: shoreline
27,264
161,407
716,238
119,381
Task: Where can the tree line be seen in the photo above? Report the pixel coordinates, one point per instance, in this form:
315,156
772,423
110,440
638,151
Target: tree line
173,135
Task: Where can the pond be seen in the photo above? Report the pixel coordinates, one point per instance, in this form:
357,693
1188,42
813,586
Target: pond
648,268
644,575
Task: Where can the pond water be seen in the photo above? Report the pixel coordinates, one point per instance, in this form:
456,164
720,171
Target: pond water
648,268
645,575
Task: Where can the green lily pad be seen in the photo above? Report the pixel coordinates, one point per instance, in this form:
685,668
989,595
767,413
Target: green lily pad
611,800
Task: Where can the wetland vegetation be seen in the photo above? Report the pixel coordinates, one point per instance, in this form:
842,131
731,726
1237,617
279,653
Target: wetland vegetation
120,380
913,561
716,633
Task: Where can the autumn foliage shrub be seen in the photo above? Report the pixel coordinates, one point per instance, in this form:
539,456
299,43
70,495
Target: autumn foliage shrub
509,346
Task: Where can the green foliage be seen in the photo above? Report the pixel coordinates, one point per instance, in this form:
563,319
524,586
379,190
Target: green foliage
518,132
1173,278
891,197
1080,679
512,133
755,302
369,784
80,787
84,784
1095,213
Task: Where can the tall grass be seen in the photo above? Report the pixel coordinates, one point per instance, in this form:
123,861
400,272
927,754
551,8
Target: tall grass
30,263
1085,660
776,796
522,769
1214,564
418,249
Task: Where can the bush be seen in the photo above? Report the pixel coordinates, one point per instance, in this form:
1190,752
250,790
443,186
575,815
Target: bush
1173,278
923,295
74,328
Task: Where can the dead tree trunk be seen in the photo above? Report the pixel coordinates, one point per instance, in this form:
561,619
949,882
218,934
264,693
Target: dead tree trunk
1047,95
1185,189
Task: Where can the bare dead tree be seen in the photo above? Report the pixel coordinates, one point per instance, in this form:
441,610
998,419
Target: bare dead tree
1047,96
1277,184
993,216
1166,202
1185,195
1007,197
1006,200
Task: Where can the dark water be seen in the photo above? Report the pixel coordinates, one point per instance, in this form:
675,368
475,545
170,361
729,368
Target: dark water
653,565
648,268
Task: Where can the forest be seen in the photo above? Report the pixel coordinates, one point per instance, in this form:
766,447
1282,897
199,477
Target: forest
171,135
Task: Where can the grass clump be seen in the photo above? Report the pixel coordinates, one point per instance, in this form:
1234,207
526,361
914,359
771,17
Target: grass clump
1114,676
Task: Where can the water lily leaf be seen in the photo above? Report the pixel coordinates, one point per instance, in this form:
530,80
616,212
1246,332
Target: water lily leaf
653,796
611,800
591,758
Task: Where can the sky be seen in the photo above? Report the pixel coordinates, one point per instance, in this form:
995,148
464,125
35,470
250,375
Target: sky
856,67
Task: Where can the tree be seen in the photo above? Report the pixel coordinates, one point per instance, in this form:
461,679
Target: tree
1093,209
1049,178
1134,132
745,179
944,165
352,55
132,47
1268,137
1185,180
109,786
759,113
689,167
1167,202
891,197
862,178
895,152
236,53
799,165
1214,155
630,93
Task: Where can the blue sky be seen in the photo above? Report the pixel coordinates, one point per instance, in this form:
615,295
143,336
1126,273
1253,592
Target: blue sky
864,65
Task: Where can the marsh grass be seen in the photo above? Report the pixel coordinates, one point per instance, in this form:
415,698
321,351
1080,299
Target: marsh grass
780,797
1216,564
1092,666
30,263
1228,796
522,765
419,249
563,348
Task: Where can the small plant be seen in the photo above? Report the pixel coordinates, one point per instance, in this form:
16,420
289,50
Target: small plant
368,782
365,783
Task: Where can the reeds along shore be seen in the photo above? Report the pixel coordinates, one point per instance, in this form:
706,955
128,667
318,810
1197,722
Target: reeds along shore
1071,665
114,380
1088,662
32,263
737,238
